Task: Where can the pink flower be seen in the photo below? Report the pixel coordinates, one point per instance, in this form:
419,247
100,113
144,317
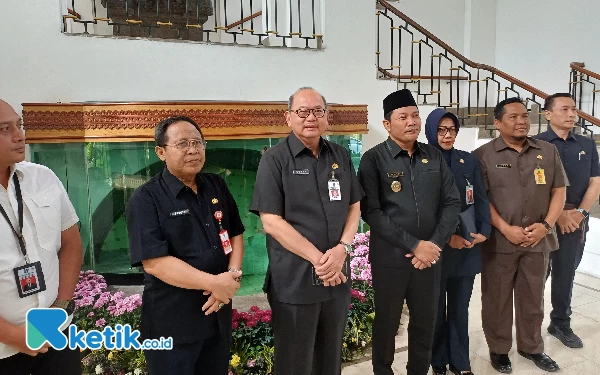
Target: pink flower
251,363
100,322
90,314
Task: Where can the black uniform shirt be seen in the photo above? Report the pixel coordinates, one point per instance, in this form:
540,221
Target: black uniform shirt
293,184
579,157
407,199
165,217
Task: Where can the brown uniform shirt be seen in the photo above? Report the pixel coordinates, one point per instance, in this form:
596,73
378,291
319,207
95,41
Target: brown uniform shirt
510,180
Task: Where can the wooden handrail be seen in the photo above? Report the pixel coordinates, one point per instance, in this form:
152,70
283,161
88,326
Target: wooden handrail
460,57
579,67
445,78
240,22
589,118
74,13
472,64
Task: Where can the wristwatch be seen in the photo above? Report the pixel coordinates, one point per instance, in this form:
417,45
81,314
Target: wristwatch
583,212
548,226
67,305
347,247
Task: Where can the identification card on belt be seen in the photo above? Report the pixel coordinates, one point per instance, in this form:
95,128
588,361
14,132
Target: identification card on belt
540,177
470,197
333,185
29,279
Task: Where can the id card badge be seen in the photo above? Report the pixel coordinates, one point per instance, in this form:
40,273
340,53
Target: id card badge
29,279
335,193
223,234
470,197
540,177
225,241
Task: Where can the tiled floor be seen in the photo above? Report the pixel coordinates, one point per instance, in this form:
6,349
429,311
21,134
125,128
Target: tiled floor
585,322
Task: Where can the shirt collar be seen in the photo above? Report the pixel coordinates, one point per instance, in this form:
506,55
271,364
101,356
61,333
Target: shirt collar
500,145
395,149
18,169
296,145
550,135
174,184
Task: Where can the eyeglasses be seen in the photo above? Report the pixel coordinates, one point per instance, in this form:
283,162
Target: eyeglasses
185,145
444,131
304,113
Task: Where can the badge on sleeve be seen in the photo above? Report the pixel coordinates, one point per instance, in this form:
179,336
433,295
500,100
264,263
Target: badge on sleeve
333,185
30,279
540,177
223,234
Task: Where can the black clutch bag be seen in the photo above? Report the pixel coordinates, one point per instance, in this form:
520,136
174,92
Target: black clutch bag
467,223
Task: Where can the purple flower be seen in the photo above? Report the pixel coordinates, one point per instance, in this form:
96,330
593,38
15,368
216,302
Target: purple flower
100,322
90,314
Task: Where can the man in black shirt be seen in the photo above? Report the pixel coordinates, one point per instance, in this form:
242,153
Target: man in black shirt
307,196
178,224
412,205
580,160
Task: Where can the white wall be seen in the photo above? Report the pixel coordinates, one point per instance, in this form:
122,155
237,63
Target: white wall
39,64
537,40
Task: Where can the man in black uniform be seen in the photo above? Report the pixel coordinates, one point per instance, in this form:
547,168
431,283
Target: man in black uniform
307,196
178,224
580,160
412,205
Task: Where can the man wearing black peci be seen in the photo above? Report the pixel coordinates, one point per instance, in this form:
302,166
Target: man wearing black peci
412,206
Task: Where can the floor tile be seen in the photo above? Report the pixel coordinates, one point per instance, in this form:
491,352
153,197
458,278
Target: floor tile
585,323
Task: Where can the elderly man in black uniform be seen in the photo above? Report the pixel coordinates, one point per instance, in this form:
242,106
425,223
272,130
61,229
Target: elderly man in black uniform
580,160
307,196
185,230
412,205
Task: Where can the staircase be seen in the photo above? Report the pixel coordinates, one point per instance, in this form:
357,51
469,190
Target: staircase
437,74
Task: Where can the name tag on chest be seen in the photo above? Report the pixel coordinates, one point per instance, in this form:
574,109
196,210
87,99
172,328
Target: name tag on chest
301,171
180,213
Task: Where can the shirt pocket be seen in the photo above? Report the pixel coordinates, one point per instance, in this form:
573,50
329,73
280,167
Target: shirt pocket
180,233
430,176
46,218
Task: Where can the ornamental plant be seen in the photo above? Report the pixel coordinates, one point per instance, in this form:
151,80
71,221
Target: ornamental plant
95,308
252,348
252,342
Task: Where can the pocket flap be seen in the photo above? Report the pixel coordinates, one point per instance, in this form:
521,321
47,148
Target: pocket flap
45,198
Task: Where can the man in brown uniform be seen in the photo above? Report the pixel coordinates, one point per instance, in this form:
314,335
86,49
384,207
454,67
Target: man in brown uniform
526,185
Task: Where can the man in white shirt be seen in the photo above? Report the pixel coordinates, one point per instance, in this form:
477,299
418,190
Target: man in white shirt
40,255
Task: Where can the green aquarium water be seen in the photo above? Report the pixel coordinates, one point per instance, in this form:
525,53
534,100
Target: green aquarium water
100,178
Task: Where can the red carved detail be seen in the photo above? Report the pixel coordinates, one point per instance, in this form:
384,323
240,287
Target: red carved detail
147,119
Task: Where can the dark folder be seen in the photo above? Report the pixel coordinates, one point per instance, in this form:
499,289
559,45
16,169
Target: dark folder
467,223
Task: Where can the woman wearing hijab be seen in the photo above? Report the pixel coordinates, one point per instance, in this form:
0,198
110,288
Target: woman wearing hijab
460,257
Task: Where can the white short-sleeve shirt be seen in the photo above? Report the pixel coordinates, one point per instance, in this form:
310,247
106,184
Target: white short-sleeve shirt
47,211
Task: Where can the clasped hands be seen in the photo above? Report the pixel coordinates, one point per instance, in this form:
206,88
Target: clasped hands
329,266
222,289
428,253
526,237
569,221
